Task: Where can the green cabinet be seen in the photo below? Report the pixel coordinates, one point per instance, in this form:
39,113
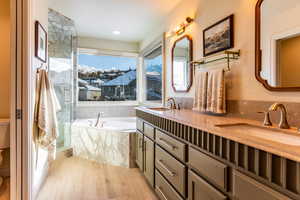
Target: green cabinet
149,160
139,150
200,189
145,152
246,188
187,163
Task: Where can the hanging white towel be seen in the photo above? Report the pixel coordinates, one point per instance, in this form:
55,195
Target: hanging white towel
46,107
200,99
216,94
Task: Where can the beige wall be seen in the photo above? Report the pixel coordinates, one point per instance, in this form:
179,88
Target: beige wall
5,58
111,45
241,80
39,158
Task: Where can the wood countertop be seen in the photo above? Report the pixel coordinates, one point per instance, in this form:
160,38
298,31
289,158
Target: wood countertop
208,123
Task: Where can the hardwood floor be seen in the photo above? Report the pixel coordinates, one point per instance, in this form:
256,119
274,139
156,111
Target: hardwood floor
78,179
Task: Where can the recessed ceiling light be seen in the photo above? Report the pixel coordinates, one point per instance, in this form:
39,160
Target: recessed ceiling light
116,32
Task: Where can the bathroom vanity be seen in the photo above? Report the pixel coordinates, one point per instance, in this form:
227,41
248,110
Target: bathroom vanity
188,155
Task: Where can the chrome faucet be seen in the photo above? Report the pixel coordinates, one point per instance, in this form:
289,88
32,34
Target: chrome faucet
172,103
283,124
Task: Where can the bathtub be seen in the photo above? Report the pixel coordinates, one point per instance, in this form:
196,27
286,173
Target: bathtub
113,143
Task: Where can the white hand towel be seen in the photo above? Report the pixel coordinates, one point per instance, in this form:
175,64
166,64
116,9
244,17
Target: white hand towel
216,94
200,98
46,107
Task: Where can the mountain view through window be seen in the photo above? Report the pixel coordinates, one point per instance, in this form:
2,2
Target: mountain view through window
153,68
106,78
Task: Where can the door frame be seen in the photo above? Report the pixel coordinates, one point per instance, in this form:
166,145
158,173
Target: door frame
14,146
21,100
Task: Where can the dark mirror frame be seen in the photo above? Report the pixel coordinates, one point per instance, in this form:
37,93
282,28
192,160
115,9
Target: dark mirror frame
190,65
258,54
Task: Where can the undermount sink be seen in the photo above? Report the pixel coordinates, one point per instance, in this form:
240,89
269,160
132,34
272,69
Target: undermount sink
160,109
288,137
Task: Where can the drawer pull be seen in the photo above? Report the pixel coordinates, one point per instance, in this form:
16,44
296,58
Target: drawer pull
167,143
166,168
161,192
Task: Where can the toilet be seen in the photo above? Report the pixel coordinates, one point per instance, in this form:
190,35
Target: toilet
4,140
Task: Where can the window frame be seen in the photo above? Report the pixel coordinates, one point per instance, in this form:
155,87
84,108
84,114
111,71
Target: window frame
159,43
101,52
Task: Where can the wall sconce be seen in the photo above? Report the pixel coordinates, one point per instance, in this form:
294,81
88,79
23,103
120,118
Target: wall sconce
180,29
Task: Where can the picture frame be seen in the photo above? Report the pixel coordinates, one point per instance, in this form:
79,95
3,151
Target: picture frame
41,42
219,36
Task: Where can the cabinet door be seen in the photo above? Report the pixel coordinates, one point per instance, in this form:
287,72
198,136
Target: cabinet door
149,131
246,188
139,150
149,160
199,189
140,125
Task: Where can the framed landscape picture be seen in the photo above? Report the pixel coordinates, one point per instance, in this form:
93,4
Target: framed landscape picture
40,42
218,37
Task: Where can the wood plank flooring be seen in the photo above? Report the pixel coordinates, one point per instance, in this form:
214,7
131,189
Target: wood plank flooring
78,179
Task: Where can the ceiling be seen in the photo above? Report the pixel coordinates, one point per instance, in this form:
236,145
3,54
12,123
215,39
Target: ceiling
99,18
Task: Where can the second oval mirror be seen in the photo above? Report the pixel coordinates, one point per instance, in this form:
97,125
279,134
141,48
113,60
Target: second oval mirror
278,44
182,55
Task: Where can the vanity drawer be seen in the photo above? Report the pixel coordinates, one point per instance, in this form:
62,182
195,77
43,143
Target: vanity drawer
163,189
140,125
208,167
200,189
149,130
172,169
172,145
246,188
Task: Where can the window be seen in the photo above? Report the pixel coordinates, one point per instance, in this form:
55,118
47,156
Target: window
153,75
104,77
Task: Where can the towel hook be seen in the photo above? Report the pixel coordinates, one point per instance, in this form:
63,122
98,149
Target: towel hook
41,67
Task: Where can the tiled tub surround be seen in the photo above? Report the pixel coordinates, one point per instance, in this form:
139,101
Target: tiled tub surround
248,109
274,164
111,144
62,34
83,110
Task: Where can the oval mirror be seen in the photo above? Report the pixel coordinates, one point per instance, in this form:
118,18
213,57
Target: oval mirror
182,70
278,44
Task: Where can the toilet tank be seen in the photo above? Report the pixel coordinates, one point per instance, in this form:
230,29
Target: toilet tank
4,134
